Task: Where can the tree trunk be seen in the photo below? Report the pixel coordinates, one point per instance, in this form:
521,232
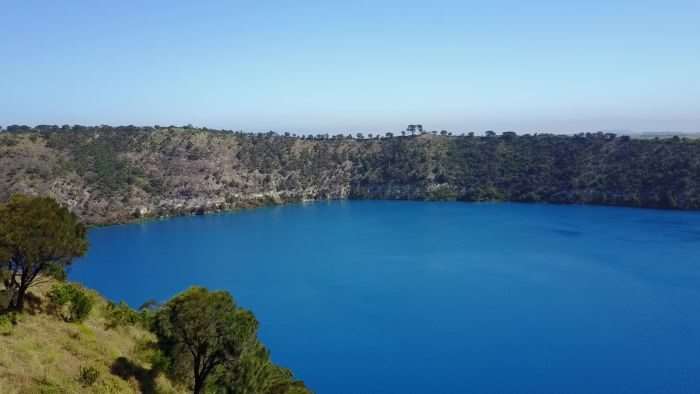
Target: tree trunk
18,302
198,385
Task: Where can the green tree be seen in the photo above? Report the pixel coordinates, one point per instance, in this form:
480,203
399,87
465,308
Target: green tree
255,373
37,237
200,330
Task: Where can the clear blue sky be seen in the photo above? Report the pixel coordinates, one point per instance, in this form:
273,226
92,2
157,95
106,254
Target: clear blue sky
353,65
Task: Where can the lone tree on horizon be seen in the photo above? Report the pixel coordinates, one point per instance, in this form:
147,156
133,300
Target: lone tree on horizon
37,237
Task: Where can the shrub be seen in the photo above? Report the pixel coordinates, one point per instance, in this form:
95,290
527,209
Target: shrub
88,376
70,302
46,387
7,323
121,314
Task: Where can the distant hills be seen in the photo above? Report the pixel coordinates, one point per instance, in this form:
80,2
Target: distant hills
116,174
666,134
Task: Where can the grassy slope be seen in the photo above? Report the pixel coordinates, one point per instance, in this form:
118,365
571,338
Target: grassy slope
43,354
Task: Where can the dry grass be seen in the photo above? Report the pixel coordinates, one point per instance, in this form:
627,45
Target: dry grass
43,354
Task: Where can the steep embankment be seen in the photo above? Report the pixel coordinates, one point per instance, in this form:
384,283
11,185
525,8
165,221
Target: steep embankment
109,175
44,354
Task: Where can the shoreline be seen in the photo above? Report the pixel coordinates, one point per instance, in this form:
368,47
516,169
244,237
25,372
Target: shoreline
225,211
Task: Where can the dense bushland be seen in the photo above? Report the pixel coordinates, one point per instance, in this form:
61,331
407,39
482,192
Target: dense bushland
107,174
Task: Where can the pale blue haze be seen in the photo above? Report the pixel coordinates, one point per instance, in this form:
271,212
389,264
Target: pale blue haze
333,66
409,297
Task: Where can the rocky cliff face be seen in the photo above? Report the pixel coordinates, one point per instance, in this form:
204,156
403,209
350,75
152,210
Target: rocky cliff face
108,175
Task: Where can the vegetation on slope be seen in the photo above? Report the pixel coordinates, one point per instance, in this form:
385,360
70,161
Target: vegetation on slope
108,175
42,353
38,238
64,338
108,352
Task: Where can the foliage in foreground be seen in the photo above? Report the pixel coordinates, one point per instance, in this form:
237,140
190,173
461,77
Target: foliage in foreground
94,355
255,373
201,339
88,376
70,302
121,315
212,345
37,237
41,353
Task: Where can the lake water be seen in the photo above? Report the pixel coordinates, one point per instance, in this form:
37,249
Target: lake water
416,297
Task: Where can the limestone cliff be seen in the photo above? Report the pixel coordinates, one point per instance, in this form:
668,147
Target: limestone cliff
109,175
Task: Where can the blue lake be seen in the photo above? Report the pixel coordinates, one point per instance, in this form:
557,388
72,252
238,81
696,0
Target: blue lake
416,297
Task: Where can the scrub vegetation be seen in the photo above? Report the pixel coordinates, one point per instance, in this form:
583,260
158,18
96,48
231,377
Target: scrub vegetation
58,337
116,174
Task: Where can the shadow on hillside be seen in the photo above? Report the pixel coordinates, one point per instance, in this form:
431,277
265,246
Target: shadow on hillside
32,304
126,369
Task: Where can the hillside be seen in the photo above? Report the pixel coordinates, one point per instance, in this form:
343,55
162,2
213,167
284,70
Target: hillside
44,354
59,337
109,175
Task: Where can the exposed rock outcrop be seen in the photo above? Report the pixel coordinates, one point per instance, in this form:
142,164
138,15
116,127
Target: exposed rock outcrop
109,175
